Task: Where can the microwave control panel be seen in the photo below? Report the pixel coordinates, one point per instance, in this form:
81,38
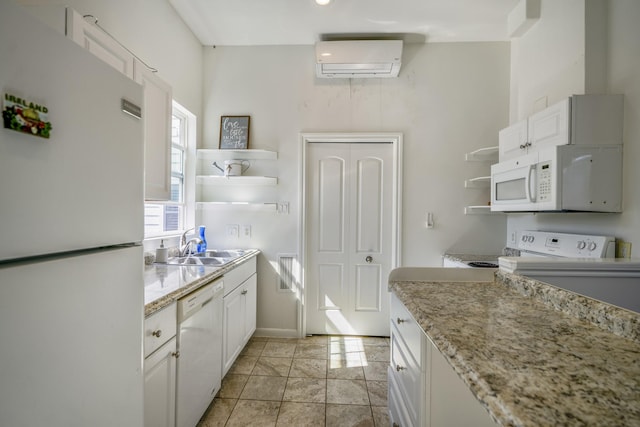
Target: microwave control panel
544,181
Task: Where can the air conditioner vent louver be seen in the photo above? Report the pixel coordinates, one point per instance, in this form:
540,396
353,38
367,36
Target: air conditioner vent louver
358,58
286,272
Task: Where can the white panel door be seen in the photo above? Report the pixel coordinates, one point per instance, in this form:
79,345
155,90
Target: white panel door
349,193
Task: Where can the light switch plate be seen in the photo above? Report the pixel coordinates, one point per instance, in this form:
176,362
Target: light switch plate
233,230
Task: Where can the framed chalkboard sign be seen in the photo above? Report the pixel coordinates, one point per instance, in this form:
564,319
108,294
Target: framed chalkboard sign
234,132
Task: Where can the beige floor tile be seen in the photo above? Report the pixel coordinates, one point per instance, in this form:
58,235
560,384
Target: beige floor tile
232,385
308,368
376,341
243,365
380,416
311,351
312,390
264,388
377,393
375,371
347,392
254,348
349,415
272,366
218,413
254,413
296,414
314,339
284,340
374,353
279,349
346,373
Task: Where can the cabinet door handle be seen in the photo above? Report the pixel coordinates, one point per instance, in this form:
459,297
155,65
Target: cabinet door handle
175,354
400,368
368,259
156,333
400,321
244,292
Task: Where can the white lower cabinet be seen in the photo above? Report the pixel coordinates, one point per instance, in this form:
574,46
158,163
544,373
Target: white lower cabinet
239,311
160,386
160,368
424,390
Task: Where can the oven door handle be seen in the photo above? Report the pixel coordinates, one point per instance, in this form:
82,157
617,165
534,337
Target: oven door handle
530,195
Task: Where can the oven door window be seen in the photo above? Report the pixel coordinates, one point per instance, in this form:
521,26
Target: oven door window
514,189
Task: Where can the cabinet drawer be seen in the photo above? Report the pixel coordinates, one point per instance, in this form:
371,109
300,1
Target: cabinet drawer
406,326
235,277
407,375
159,328
397,410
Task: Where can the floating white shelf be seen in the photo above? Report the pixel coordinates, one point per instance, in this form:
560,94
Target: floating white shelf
236,180
479,210
238,206
249,154
488,154
478,182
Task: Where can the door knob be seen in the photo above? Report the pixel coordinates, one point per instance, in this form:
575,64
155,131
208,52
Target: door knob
368,259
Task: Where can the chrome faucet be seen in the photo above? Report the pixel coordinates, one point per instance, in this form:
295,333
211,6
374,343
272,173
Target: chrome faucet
186,245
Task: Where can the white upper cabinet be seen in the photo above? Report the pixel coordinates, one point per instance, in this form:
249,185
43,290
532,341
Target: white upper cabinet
157,108
156,114
99,43
544,129
580,119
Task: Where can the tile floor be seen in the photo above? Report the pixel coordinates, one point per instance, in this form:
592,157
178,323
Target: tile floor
315,381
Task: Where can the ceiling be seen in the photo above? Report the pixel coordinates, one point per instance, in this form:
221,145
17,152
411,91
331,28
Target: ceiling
303,22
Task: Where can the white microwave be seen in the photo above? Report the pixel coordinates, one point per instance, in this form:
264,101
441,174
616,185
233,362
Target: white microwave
560,178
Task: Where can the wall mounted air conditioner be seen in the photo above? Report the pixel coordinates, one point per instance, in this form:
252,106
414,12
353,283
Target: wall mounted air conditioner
358,58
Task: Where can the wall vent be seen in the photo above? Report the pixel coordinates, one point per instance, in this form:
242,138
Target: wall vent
287,272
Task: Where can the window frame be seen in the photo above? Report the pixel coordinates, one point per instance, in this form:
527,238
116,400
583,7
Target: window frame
187,205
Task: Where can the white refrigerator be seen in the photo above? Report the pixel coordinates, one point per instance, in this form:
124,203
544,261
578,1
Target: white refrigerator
71,226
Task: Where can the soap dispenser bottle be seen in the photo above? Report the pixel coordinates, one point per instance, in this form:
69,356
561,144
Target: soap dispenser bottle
202,247
162,253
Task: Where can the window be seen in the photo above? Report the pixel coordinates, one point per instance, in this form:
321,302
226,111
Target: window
171,217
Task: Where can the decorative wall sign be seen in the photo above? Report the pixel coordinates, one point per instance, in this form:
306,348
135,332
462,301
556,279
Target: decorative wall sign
234,132
23,116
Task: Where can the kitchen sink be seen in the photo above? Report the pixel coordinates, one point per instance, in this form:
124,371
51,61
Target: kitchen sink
225,253
212,257
198,260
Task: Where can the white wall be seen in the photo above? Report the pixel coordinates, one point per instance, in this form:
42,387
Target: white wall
151,29
449,99
552,79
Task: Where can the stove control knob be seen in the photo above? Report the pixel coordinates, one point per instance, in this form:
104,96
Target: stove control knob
530,239
524,238
592,246
582,244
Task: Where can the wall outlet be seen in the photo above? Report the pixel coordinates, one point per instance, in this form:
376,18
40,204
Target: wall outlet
246,231
513,238
233,230
623,249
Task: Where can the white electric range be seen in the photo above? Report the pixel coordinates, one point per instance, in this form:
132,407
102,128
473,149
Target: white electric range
581,263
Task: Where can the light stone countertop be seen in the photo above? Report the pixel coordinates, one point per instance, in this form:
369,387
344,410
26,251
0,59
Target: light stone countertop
533,354
164,284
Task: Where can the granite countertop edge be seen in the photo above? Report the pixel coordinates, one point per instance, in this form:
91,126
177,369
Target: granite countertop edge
609,319
167,299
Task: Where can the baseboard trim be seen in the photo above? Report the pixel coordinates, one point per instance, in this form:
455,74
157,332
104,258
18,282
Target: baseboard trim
276,333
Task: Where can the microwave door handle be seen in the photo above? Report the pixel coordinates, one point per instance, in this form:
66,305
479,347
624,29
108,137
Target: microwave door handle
530,194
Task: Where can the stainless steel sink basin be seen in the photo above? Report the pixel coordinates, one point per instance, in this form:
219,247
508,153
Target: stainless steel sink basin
225,253
196,260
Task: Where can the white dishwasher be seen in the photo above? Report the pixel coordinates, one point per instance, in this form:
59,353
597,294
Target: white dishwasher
199,369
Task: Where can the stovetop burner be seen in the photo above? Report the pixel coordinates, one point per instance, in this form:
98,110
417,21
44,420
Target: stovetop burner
482,264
